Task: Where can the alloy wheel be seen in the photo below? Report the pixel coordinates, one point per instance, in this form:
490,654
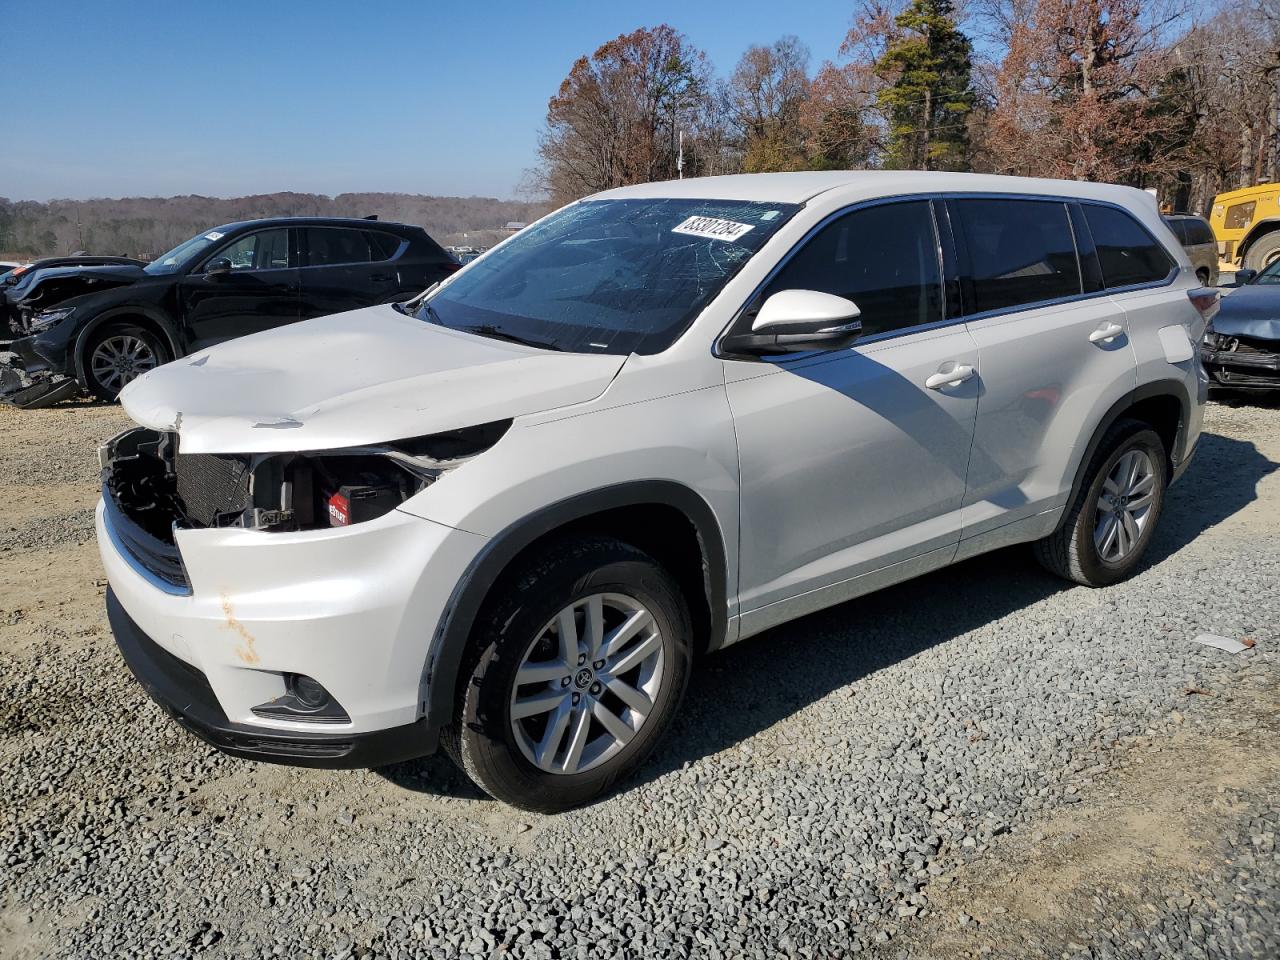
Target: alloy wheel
1124,506
587,683
119,359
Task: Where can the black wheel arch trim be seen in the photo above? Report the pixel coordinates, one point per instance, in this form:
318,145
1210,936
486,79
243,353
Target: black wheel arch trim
440,672
123,314
1156,388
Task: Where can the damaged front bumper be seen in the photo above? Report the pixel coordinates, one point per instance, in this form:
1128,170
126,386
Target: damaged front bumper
215,623
184,693
1241,364
31,379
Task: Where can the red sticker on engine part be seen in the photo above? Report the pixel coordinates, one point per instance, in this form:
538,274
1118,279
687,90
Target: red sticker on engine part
339,511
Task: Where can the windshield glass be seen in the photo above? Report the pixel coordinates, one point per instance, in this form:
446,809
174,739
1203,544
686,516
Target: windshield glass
1271,275
173,261
608,276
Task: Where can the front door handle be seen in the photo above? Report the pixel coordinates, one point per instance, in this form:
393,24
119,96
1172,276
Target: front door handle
382,277
957,375
1106,334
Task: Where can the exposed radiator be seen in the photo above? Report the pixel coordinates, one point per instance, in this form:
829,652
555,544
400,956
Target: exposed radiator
212,487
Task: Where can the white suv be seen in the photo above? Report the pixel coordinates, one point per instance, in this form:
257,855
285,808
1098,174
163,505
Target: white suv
507,516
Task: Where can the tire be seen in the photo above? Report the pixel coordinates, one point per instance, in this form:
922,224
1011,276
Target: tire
518,633
118,354
1203,276
1263,251
1085,548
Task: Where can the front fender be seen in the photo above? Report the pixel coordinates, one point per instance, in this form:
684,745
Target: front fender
453,632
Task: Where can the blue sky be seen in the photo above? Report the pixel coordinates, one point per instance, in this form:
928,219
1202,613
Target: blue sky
140,98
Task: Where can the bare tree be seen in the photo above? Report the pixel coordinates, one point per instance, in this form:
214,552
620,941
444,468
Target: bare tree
1074,89
617,116
763,99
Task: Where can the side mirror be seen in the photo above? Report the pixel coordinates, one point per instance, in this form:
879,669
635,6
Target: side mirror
217,267
1244,276
797,321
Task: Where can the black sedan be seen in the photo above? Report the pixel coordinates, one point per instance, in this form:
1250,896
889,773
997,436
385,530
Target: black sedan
103,326
1242,345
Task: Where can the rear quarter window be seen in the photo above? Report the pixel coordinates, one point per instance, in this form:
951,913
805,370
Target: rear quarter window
383,245
1128,254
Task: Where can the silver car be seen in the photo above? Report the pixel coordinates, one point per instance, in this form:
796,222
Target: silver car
1196,237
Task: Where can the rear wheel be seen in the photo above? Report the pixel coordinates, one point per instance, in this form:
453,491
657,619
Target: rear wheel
119,354
1111,521
1203,276
1263,252
575,672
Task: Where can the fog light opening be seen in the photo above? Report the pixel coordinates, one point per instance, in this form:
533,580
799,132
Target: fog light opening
311,692
305,698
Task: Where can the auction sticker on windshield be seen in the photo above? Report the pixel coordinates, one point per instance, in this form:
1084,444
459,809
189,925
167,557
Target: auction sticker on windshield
712,228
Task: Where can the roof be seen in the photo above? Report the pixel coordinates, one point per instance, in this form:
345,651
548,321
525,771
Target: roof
1245,193
801,187
318,222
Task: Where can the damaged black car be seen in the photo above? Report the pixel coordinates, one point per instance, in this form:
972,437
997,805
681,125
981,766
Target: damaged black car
40,287
1241,349
97,328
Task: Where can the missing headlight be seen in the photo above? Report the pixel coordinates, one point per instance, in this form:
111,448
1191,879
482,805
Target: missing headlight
337,488
160,488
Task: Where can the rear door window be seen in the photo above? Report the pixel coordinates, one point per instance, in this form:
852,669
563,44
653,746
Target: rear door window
330,246
883,258
1128,253
1019,252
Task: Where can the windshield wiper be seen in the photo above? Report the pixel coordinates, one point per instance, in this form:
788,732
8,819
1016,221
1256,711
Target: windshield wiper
487,330
497,333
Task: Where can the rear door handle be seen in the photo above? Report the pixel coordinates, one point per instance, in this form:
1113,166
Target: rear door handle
381,277
1106,334
957,375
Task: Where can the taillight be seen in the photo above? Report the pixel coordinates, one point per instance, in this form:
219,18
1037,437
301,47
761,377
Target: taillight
1205,300
451,267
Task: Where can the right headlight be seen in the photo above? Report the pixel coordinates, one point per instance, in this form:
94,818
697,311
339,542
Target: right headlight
47,318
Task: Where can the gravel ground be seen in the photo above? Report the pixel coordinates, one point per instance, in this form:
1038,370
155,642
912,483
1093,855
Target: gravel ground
982,761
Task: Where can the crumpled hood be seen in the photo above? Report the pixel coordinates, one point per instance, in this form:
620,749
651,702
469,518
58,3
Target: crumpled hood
1250,311
367,376
116,273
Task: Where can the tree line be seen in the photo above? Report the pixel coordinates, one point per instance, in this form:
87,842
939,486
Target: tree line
1153,94
147,226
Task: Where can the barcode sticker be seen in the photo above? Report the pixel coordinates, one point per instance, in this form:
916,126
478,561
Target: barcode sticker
713,228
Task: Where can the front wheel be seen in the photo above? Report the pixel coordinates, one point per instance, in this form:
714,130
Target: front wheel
575,671
1111,521
119,354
